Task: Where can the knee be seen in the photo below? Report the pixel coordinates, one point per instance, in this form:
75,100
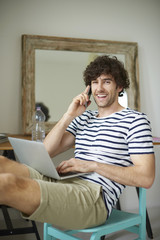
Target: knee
8,186
7,182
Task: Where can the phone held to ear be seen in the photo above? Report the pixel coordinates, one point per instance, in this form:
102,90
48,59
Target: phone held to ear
89,94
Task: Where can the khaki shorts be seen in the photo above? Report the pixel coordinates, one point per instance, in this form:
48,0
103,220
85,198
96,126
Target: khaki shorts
71,204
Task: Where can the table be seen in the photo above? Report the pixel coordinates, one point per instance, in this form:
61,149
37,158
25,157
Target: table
7,146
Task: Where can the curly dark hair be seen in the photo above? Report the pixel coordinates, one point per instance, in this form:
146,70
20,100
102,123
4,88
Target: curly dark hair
107,65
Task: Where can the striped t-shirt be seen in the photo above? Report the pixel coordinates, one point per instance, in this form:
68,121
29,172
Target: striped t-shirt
111,140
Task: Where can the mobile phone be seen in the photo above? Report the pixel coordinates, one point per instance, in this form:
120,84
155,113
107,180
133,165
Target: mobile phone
89,91
89,94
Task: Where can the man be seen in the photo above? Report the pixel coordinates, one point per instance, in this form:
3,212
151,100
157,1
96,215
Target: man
113,145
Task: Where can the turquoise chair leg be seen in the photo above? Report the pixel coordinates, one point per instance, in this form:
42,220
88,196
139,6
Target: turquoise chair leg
45,232
142,212
95,236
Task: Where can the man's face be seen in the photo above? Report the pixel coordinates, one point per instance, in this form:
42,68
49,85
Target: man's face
105,91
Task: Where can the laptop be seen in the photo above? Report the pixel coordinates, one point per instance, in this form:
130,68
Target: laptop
35,155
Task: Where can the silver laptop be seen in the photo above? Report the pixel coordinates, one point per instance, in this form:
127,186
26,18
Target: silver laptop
36,156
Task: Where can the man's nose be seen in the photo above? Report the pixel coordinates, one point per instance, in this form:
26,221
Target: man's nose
100,86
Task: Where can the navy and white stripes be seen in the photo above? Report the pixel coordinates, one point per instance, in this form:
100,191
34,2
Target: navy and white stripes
111,140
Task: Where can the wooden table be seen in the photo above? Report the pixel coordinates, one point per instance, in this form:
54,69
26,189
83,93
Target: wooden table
7,146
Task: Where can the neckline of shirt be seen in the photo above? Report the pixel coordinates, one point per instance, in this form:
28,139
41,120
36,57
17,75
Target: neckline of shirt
112,114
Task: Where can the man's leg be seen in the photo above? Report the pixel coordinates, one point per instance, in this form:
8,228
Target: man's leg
17,190
9,166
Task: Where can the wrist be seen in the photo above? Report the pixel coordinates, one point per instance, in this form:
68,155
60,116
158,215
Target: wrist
94,166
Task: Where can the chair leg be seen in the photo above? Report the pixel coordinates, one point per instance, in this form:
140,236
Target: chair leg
118,206
45,232
148,225
103,237
35,230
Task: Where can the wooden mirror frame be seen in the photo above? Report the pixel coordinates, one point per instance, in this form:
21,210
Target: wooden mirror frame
30,43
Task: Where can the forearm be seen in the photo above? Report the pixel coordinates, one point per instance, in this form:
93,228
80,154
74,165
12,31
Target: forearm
122,175
131,175
55,140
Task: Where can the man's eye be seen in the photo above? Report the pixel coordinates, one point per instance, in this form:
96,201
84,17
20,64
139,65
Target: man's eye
93,82
107,81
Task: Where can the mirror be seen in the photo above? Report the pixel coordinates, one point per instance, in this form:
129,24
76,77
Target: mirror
52,72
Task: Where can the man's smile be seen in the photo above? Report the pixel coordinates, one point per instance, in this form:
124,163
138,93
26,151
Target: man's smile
101,95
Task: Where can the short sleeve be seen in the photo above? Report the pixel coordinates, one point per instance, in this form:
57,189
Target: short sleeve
140,136
72,128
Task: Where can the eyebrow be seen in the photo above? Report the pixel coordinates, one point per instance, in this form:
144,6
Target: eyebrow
107,78
103,79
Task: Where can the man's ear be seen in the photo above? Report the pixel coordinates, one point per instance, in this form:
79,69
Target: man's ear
120,89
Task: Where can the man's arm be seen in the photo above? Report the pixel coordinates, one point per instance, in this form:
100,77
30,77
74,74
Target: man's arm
140,174
59,140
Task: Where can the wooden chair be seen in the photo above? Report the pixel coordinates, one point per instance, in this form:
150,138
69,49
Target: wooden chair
118,220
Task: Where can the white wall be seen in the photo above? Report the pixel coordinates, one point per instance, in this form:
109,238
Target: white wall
118,20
